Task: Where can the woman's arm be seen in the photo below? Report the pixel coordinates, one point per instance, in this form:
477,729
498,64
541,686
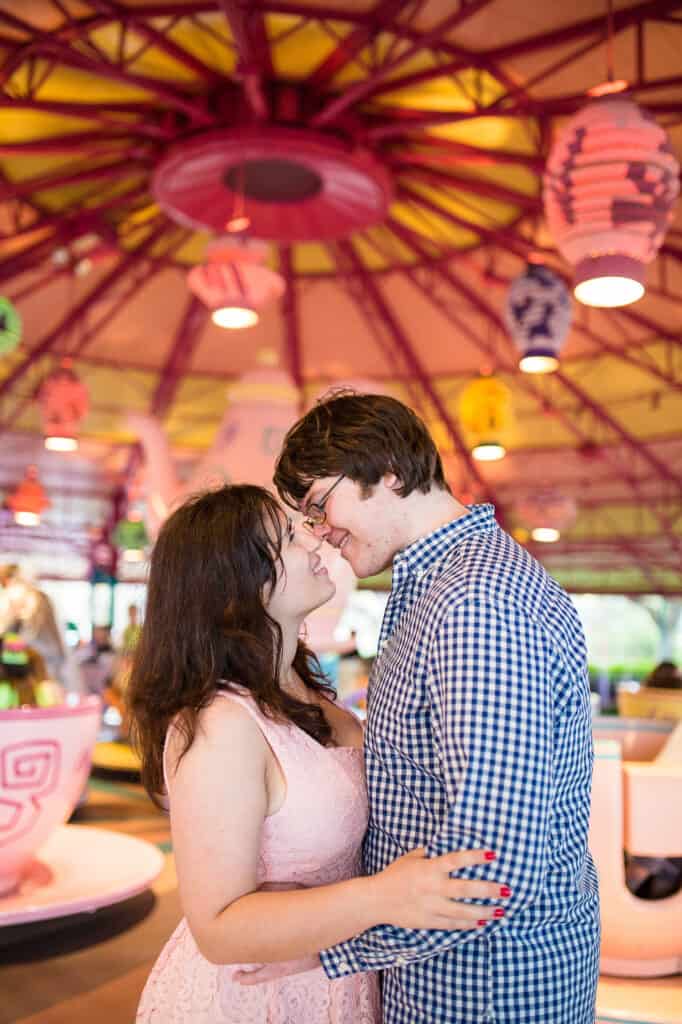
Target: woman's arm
219,800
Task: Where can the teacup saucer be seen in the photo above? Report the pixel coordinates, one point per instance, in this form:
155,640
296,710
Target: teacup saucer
79,870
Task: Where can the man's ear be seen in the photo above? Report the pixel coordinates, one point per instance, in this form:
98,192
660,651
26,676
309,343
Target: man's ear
391,481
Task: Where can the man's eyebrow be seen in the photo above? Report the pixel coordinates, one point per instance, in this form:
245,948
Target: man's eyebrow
306,499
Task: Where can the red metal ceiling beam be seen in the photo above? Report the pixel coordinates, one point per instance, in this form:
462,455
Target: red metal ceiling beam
624,354
159,39
477,186
622,19
25,260
254,66
361,90
547,40
194,109
483,307
97,112
404,346
290,312
447,151
399,120
44,346
635,446
68,226
177,363
499,236
356,40
21,189
60,143
187,337
135,285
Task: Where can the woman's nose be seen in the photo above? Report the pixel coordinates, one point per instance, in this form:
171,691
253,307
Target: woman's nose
311,541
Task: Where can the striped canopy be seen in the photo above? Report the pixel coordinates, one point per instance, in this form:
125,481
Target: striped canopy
457,105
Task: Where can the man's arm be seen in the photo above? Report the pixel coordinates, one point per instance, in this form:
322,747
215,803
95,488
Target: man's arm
493,728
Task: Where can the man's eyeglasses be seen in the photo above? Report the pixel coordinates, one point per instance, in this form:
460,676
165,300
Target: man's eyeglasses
314,514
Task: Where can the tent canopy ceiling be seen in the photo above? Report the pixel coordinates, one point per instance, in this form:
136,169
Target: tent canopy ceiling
456,107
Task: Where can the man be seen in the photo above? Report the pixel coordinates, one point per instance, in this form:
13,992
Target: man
478,725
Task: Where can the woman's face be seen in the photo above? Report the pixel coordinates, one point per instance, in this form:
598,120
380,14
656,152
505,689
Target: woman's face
303,582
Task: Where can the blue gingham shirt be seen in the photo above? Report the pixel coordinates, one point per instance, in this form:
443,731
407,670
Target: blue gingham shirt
479,736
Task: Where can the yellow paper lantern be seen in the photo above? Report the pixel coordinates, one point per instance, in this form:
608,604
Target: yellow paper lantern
484,412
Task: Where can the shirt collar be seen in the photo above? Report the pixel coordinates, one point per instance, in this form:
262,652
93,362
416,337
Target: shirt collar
425,552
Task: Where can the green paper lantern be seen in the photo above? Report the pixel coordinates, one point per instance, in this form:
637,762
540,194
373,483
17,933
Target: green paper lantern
131,534
10,326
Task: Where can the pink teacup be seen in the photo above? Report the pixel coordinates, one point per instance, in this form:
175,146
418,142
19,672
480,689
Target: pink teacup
44,764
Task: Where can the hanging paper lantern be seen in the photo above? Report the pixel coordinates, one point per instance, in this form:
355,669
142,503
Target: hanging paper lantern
131,536
546,514
538,315
10,327
484,410
29,500
233,282
64,403
609,192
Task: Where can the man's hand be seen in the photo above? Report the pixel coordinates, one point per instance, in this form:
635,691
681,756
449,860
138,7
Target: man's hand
271,972
258,975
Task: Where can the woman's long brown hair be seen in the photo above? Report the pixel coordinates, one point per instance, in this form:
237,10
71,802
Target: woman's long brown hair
206,626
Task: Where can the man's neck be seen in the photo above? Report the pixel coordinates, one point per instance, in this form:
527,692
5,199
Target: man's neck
427,513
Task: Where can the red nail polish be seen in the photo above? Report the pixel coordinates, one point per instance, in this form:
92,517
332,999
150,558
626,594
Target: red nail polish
489,855
505,891
482,922
499,912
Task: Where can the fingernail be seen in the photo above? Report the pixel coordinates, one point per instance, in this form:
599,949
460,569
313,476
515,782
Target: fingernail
499,912
489,855
505,891
481,922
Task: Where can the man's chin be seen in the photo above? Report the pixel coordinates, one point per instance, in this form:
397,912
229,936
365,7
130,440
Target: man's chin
365,571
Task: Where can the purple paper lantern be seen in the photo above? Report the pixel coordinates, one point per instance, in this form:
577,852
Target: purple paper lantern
609,191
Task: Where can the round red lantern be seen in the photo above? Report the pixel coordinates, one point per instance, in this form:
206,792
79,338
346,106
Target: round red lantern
29,500
64,403
609,191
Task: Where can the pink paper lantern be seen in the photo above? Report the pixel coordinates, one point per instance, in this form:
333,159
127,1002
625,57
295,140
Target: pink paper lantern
546,514
234,284
609,192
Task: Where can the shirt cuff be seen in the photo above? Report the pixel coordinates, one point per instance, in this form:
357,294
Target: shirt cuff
340,961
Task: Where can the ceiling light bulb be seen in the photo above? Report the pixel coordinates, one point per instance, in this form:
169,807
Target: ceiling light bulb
490,451
538,364
545,534
234,317
27,519
133,555
61,443
608,292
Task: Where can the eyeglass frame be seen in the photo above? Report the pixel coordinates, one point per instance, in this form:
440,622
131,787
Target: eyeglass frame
309,523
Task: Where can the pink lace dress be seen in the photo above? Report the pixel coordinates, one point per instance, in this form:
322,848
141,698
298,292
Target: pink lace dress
314,839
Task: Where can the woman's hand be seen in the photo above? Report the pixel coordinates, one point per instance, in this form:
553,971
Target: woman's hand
416,891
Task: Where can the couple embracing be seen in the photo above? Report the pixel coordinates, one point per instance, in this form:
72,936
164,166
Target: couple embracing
432,871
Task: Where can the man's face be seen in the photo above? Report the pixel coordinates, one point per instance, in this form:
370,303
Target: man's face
365,529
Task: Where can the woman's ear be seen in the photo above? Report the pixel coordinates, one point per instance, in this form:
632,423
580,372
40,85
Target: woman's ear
391,481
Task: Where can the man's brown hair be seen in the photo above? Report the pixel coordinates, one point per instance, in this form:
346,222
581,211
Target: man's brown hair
362,437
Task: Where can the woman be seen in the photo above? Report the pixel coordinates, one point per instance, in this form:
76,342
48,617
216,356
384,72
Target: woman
264,774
